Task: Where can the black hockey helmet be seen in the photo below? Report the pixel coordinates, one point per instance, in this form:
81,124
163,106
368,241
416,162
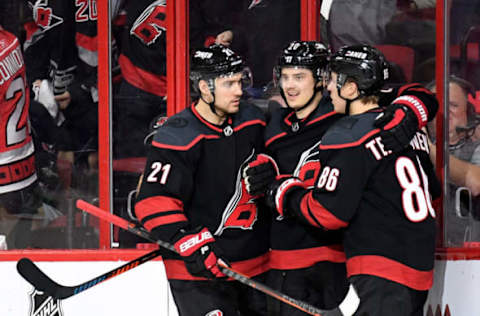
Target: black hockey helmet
216,61
306,54
365,64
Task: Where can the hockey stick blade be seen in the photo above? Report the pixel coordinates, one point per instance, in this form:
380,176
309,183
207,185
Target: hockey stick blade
122,223
30,272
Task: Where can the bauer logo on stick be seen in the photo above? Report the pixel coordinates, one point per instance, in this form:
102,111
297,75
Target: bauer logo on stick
44,305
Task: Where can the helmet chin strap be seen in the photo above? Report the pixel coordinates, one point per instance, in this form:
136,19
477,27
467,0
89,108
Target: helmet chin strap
315,91
349,101
211,104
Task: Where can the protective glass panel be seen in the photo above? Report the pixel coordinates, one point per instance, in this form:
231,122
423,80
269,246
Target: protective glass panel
52,106
462,225
140,95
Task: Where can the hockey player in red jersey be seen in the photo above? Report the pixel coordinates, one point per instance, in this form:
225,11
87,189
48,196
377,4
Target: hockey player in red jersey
193,196
382,199
18,178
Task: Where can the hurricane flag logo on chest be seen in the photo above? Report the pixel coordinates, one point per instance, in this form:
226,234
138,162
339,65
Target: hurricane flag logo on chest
241,210
42,304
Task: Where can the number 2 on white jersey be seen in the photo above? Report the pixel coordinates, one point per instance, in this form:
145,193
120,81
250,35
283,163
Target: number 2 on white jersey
16,135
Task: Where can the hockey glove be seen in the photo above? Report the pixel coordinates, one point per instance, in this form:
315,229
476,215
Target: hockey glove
278,190
259,173
399,122
197,248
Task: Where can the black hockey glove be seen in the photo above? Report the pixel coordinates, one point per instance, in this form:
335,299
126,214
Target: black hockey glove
259,173
399,122
278,190
197,248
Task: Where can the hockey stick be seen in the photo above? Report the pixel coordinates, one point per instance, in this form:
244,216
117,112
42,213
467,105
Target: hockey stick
122,223
30,272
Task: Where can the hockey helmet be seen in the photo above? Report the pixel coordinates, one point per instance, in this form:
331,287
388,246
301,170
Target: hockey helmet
365,64
306,54
217,61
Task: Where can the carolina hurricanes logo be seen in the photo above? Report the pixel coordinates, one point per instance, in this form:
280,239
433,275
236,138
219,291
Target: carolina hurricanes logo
241,210
44,17
308,166
151,23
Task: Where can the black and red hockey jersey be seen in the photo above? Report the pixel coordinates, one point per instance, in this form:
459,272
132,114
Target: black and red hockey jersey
50,50
293,143
381,199
17,160
143,54
61,44
193,178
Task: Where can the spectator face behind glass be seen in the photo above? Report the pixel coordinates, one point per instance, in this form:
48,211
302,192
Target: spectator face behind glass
457,110
298,85
457,113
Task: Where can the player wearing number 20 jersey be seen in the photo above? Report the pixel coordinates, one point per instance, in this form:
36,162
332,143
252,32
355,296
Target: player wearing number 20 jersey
17,162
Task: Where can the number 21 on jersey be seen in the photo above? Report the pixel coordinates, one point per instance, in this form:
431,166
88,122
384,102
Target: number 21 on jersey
159,172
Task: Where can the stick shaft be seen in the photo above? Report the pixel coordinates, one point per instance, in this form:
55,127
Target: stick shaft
98,212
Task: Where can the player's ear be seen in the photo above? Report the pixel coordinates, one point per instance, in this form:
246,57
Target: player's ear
350,90
203,87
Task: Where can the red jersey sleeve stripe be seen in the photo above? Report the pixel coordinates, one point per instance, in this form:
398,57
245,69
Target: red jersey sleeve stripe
87,42
142,79
305,209
304,258
176,269
156,205
391,270
164,220
316,211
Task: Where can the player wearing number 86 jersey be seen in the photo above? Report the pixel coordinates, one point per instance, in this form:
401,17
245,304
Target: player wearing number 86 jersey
381,199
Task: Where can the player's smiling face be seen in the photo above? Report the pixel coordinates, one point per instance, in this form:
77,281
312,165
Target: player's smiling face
297,85
338,102
228,92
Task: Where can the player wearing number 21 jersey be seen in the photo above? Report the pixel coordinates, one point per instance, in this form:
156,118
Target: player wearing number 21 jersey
17,162
193,194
